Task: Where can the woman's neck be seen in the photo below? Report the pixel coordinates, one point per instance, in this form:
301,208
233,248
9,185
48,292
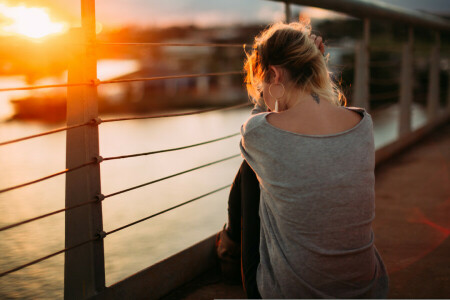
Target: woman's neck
301,98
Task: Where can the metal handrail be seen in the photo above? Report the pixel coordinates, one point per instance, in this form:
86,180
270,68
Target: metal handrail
378,10
358,8
171,176
102,197
4,190
102,235
99,121
98,81
99,159
224,45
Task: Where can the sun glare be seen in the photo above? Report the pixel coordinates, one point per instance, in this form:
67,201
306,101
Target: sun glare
33,22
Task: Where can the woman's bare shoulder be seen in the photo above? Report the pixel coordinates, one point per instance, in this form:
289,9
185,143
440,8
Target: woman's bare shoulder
352,113
346,117
327,121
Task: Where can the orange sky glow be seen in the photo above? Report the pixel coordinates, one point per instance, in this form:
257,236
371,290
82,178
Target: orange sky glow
39,18
54,16
32,22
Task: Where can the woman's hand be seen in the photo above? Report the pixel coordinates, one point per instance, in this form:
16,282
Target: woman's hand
318,42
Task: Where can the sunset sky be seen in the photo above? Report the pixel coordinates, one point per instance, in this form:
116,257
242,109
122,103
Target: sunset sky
203,12
119,13
216,11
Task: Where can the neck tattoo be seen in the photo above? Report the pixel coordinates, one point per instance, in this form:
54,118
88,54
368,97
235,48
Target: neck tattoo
315,97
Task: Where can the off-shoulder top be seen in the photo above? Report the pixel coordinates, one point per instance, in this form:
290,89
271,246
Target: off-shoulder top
316,211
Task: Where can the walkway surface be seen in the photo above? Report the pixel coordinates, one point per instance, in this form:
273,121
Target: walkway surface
412,225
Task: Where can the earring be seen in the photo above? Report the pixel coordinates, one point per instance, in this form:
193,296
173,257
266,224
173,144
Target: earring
276,98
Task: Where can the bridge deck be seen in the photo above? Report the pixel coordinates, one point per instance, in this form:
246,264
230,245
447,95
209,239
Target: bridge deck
412,225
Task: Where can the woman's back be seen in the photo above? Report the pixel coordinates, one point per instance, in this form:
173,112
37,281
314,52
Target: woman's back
317,119
315,163
316,207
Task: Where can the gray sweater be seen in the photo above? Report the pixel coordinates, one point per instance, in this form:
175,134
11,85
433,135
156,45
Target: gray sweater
316,210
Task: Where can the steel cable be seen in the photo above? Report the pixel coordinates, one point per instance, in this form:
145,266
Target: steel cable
384,48
113,158
47,257
385,96
120,192
98,121
44,133
47,177
384,64
98,81
381,81
171,176
35,87
342,66
166,210
169,77
47,215
177,114
108,233
171,149
175,44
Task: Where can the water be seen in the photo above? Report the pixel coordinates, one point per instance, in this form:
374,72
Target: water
137,247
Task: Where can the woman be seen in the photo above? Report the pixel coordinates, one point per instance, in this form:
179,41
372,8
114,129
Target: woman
306,230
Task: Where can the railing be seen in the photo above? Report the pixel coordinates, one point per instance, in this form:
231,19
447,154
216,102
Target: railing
380,10
83,160
84,274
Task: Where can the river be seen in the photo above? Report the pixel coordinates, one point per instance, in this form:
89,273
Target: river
135,248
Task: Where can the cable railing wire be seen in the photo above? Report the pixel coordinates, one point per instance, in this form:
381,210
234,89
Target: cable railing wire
342,66
177,114
171,149
169,77
152,44
47,215
385,48
113,194
97,121
385,96
47,257
46,177
104,234
384,64
113,158
381,81
45,133
35,87
171,176
219,45
98,81
168,209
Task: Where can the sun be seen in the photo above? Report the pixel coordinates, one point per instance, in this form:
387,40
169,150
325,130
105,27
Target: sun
33,22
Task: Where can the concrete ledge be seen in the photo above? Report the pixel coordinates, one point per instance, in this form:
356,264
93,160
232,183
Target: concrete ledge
409,139
166,275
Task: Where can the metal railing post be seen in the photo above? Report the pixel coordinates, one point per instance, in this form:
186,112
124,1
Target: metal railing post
361,92
287,11
84,267
448,89
406,84
433,83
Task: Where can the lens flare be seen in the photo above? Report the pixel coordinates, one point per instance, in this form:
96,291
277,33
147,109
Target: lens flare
33,22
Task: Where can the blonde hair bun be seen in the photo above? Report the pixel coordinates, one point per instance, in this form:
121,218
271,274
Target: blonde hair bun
289,46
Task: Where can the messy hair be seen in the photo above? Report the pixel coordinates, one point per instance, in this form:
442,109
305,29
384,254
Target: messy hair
289,46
